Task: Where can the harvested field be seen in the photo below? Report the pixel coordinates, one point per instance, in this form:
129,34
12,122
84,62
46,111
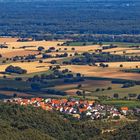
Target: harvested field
71,92
59,53
87,85
45,44
31,67
18,53
133,52
10,93
92,71
118,50
48,60
125,51
67,48
81,48
7,40
126,65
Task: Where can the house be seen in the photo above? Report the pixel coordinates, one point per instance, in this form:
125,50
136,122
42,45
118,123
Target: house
88,113
64,101
91,102
47,100
81,110
55,102
137,111
124,110
74,107
25,102
48,108
115,113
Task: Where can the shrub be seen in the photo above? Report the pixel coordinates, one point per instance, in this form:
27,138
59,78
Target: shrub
18,70
41,48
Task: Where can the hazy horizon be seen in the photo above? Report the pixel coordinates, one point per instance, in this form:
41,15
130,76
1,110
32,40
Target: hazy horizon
63,0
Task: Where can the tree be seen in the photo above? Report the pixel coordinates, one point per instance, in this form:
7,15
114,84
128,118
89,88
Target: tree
116,117
53,62
116,95
40,48
18,70
100,43
4,61
46,56
84,44
52,48
109,88
84,94
40,61
76,53
79,93
138,97
124,52
4,76
18,79
79,86
14,95
97,89
78,74
65,54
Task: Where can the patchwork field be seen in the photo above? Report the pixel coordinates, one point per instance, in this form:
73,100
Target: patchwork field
92,71
31,47
120,103
105,88
11,53
10,93
41,65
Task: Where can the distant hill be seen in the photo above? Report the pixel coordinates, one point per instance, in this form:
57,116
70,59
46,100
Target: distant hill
63,0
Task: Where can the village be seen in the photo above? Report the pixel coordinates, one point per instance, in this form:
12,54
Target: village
75,107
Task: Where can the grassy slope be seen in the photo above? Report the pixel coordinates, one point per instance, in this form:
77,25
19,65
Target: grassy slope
120,103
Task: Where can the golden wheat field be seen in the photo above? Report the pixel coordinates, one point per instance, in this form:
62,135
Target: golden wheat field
113,71
34,44
15,48
122,51
126,65
117,50
14,53
7,40
92,71
31,67
31,47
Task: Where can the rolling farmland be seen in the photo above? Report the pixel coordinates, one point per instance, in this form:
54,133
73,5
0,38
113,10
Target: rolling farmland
18,54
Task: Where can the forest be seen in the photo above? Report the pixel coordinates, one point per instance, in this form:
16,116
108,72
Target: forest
69,17
26,122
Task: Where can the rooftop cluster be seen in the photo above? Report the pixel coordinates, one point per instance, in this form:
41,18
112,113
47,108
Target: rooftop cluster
75,107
